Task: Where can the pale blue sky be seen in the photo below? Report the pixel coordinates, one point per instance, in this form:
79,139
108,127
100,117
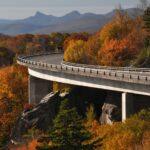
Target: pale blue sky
14,9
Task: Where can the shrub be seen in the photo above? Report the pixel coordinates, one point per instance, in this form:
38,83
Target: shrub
90,115
122,136
143,59
61,87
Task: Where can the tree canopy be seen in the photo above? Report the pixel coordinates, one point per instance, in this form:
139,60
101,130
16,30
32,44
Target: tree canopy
117,44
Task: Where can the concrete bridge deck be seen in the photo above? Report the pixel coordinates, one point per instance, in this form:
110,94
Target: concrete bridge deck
44,68
51,67
55,63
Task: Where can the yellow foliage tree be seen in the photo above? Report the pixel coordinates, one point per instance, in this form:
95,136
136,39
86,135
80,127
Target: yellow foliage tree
75,52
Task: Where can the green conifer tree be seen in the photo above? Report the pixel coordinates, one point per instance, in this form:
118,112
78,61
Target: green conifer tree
146,19
68,132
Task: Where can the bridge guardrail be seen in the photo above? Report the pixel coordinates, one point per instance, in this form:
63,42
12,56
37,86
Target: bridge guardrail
100,72
105,67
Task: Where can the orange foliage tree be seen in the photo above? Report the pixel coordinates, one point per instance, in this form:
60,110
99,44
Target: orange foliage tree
13,96
122,40
92,47
31,145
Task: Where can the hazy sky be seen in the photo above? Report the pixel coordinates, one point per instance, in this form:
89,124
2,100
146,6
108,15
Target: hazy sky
23,8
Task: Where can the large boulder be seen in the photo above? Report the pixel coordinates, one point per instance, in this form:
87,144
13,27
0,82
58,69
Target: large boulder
111,109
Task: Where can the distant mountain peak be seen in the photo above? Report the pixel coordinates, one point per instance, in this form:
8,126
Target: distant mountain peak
73,13
38,13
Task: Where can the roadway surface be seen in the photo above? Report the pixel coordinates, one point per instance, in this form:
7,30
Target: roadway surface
49,59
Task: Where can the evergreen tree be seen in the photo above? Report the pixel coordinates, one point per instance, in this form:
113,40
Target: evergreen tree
146,19
90,114
68,132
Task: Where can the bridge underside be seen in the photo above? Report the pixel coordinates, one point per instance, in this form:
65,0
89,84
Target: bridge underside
100,83
41,84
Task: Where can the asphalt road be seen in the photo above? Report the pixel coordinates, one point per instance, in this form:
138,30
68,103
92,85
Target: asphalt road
49,59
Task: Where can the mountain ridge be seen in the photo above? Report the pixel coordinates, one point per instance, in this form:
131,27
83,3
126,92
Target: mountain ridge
74,21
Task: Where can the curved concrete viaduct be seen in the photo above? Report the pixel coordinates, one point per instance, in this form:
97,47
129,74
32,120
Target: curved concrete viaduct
44,68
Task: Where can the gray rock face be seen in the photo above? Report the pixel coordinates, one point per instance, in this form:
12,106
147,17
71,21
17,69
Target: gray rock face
41,116
111,109
107,110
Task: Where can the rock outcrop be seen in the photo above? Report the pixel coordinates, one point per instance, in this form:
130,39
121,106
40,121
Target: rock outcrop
111,109
41,116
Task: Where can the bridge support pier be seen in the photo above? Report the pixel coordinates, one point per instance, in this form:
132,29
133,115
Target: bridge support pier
38,88
127,105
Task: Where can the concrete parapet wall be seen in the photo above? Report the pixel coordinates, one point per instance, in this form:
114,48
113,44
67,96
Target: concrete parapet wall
64,63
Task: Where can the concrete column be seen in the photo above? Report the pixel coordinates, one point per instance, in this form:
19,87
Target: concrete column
38,88
127,105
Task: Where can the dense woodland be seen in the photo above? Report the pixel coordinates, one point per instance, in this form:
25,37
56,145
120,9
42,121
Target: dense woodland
28,44
122,42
